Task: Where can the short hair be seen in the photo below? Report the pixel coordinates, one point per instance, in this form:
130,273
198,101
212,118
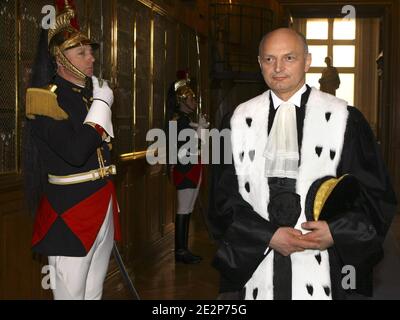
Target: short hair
299,34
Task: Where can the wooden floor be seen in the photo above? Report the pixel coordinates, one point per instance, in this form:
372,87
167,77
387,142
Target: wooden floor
167,280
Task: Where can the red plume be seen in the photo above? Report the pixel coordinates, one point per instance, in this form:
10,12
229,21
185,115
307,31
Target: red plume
182,74
60,5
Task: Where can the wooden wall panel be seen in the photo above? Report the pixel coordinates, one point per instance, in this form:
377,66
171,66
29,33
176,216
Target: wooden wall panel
154,202
393,110
20,272
146,197
147,203
169,205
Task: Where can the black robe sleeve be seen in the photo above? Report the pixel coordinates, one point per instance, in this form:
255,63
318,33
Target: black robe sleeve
242,234
359,233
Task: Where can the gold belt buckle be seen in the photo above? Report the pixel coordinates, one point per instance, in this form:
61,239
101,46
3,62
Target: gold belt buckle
111,170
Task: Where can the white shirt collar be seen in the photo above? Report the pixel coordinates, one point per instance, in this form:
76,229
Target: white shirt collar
295,99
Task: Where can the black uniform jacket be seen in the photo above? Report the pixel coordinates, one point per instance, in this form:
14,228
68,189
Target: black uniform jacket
69,147
185,175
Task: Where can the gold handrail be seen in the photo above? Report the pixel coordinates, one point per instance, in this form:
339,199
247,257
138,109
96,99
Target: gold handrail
133,156
137,155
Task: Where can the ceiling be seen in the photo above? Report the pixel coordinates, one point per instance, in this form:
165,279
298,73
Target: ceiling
333,8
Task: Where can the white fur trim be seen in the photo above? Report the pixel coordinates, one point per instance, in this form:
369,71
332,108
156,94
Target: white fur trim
246,140
317,131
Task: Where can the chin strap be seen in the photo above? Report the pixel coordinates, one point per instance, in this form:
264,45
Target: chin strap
68,65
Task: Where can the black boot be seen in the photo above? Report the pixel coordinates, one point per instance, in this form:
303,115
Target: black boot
182,253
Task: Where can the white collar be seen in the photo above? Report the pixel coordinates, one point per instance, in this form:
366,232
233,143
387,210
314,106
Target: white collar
295,99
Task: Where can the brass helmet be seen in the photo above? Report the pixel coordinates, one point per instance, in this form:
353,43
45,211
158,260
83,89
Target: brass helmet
183,90
66,35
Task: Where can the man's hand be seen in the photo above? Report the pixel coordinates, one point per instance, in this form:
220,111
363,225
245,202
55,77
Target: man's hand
320,235
103,93
288,240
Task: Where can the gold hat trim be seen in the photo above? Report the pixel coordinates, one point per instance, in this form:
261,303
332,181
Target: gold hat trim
77,39
67,64
323,193
63,21
180,84
182,89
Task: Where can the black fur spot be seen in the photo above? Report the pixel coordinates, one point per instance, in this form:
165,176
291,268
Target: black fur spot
327,291
249,121
310,289
241,156
333,154
318,151
247,187
252,153
318,257
328,116
255,293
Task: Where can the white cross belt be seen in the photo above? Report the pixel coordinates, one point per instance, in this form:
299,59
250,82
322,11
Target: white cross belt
91,175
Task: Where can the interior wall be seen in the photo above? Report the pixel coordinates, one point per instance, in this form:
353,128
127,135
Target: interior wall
366,80
391,112
235,73
145,42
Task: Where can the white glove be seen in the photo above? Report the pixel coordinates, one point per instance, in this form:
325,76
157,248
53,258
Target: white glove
200,126
103,93
203,122
100,110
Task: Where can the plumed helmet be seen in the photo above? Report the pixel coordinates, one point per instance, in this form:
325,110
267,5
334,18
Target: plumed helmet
66,35
183,90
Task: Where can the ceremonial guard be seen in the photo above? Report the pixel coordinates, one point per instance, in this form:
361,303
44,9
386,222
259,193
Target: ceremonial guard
69,129
186,175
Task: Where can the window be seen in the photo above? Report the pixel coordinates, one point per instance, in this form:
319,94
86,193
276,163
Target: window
334,38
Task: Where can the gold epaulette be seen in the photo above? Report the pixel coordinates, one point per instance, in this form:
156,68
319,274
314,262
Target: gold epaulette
43,102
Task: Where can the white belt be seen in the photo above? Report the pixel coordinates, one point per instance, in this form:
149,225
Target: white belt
91,175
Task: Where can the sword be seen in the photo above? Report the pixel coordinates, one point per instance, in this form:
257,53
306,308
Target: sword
124,272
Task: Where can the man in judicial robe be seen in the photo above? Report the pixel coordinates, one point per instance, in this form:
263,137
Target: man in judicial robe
284,142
